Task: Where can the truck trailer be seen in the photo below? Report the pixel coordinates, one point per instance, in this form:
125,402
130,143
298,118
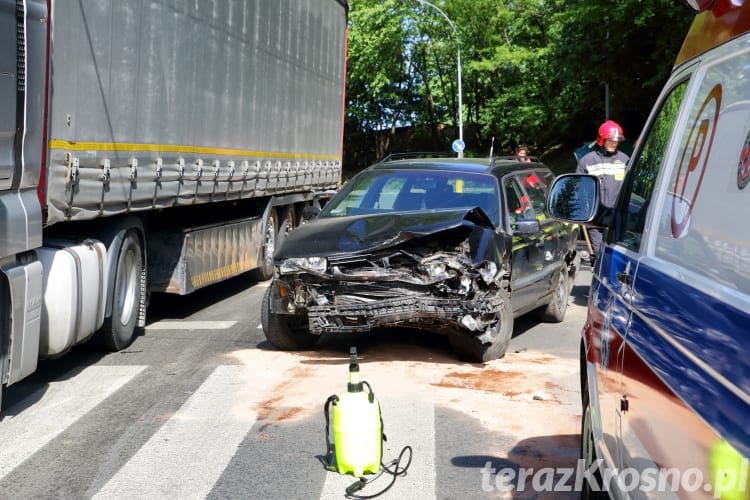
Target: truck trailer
158,146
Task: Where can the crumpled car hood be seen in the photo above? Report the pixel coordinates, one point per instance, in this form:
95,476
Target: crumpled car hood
371,232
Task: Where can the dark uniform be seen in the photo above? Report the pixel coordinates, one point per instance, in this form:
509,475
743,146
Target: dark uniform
610,169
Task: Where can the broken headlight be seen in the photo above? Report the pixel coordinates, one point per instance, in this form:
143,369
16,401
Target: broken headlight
310,264
488,271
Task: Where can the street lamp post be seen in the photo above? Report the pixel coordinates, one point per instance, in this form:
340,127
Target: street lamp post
458,63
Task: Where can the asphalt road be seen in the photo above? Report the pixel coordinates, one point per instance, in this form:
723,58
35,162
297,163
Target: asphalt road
201,406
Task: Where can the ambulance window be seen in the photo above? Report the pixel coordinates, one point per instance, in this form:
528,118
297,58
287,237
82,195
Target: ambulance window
703,222
645,168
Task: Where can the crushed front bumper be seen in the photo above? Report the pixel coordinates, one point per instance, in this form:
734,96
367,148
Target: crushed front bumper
415,311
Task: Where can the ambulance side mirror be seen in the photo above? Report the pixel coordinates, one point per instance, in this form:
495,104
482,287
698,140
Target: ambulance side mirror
573,198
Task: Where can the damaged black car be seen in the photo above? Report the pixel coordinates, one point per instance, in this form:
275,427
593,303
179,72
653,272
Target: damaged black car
458,247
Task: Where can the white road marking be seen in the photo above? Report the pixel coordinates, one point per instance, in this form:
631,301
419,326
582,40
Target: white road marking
55,408
188,454
191,325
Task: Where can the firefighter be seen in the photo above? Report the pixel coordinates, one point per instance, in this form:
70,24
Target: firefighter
609,165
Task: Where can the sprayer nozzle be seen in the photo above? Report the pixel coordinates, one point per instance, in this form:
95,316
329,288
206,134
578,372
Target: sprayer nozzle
355,385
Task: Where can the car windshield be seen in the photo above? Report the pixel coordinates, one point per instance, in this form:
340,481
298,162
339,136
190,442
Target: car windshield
386,191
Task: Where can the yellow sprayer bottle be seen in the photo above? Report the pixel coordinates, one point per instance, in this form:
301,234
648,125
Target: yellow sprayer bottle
357,426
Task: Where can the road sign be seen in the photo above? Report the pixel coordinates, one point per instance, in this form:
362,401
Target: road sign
458,145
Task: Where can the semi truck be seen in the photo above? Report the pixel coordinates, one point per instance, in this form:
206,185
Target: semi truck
159,146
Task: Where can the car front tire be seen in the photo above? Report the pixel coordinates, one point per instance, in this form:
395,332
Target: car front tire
283,331
467,346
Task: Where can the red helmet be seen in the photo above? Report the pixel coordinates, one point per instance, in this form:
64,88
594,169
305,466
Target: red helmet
609,130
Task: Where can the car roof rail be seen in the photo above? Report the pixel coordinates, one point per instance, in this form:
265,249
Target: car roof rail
415,154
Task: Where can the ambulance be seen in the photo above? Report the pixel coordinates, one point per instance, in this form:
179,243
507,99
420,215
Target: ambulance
665,348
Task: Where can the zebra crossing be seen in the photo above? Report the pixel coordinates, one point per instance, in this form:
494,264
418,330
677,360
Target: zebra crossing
254,429
55,409
187,442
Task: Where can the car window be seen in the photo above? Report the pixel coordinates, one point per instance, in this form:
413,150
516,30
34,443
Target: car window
644,170
703,221
546,177
525,194
535,186
352,195
518,203
415,190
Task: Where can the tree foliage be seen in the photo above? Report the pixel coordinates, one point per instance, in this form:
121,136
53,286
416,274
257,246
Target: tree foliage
533,71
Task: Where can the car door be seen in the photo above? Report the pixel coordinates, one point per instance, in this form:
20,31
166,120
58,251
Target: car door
525,259
535,239
539,241
552,234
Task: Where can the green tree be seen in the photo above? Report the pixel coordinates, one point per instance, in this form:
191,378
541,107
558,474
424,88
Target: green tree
379,80
628,46
534,71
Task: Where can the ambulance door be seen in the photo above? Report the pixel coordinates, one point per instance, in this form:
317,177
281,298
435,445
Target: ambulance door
685,353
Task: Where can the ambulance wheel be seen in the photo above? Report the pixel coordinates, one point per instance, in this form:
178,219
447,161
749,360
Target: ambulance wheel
468,347
588,454
264,271
558,305
283,331
118,330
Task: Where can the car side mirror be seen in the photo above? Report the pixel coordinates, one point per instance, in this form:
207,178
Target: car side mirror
573,198
310,212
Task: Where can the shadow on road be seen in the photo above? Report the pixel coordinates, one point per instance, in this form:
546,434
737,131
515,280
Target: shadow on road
538,467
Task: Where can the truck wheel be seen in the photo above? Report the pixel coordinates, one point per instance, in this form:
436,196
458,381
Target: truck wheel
285,332
467,346
118,330
287,220
264,271
555,310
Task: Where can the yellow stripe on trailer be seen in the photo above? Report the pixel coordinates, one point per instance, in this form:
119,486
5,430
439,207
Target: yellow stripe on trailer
177,148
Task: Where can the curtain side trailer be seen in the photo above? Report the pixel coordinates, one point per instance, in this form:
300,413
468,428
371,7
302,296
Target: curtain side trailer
161,146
